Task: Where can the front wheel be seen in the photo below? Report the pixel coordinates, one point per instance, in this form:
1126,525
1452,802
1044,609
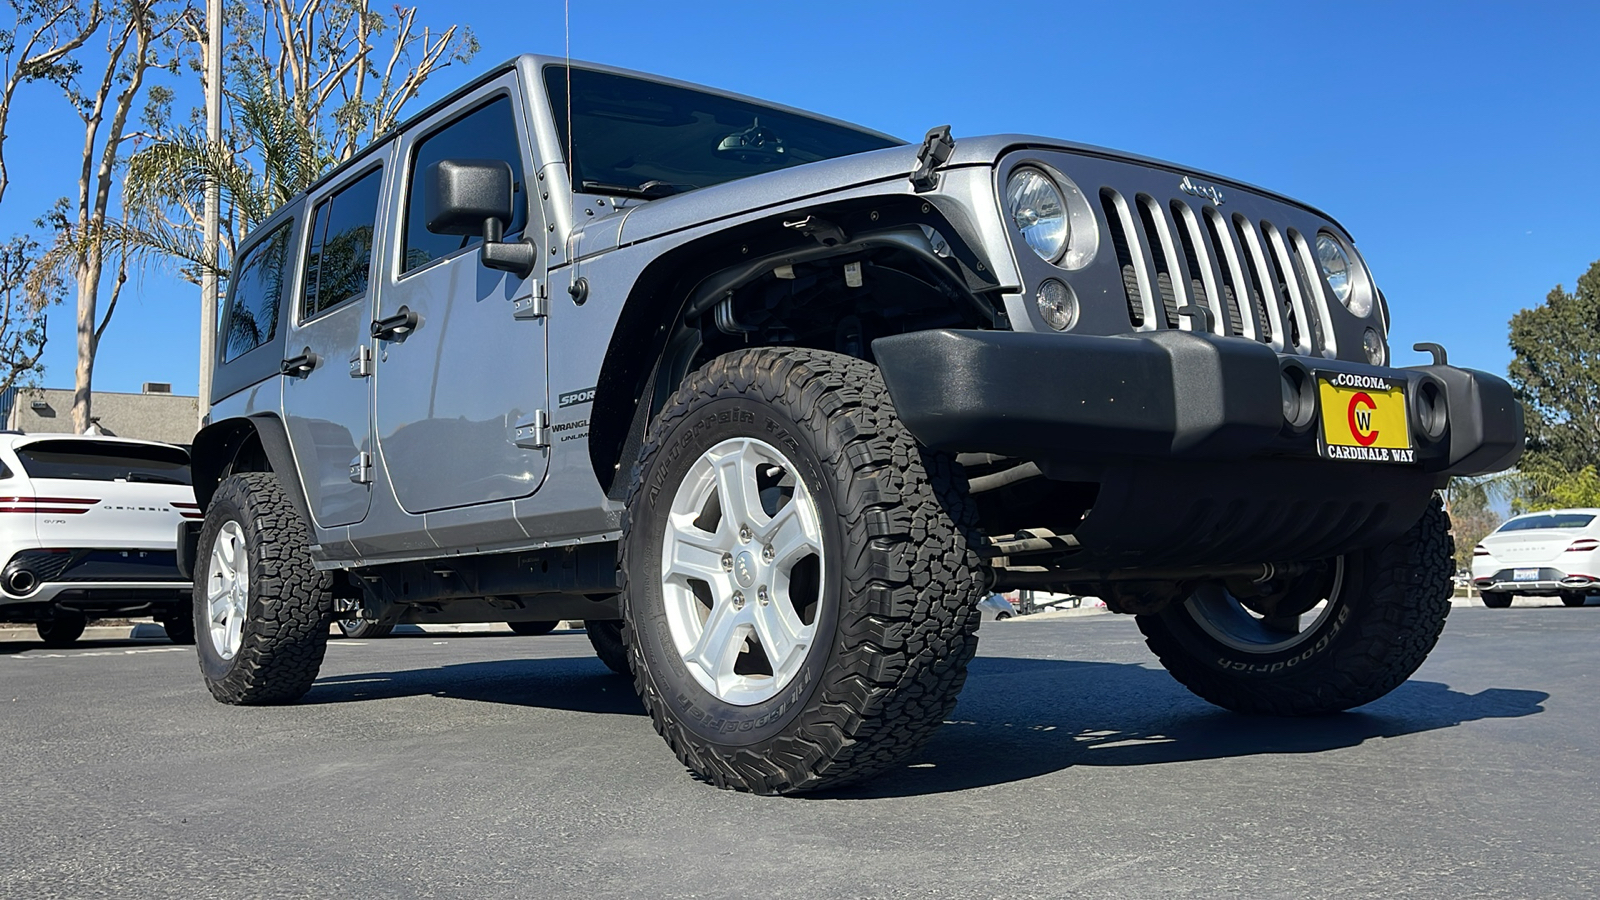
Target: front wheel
800,596
1572,598
261,607
533,629
1370,619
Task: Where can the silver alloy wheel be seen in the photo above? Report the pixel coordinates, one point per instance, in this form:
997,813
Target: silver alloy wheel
742,568
228,589
1223,617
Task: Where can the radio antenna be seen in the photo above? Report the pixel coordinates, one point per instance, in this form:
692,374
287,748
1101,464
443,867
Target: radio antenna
572,164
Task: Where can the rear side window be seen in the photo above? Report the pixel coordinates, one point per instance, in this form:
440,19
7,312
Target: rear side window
257,295
488,132
1562,520
105,461
339,256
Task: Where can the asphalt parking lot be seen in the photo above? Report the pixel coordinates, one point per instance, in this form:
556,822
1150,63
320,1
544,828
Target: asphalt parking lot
499,766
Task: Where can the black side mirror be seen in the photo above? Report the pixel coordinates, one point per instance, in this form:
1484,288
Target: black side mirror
475,197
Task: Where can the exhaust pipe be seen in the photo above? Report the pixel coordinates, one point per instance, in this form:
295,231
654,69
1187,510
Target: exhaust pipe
21,582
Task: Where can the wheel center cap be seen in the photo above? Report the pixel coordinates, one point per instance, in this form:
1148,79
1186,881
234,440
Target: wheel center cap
744,569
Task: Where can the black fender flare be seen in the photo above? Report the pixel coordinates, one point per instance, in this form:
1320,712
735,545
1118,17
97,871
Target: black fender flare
220,445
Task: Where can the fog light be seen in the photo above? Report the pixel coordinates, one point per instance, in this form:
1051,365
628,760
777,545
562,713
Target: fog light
1057,306
1299,403
1377,354
1431,414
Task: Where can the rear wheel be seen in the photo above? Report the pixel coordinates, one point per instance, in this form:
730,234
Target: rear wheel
1496,599
179,627
1369,620
533,629
1572,598
61,630
364,629
800,597
263,608
605,636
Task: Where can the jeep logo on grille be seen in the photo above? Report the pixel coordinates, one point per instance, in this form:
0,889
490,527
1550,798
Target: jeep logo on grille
1195,189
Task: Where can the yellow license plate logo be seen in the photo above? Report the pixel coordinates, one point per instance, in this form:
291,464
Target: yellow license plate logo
1364,418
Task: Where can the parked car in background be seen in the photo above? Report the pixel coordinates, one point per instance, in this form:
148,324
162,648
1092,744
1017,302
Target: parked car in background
1555,553
996,607
87,530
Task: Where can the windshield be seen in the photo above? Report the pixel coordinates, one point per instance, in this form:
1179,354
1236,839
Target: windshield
1552,520
653,139
105,461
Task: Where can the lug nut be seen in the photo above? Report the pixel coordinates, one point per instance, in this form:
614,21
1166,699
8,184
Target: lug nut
761,595
744,534
767,553
727,562
738,599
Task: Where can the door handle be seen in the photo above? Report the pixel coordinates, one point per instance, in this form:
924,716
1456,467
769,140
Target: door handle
402,323
300,366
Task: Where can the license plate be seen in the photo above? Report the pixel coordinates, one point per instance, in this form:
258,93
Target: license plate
1525,575
1364,418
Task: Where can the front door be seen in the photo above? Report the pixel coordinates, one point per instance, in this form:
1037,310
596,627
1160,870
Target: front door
453,387
327,391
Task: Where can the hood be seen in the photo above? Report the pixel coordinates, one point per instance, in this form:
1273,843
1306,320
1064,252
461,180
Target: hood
786,186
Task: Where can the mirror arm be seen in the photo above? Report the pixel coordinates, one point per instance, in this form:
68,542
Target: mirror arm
517,257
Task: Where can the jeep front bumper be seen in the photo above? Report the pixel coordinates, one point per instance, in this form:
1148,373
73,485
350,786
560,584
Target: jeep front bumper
1188,437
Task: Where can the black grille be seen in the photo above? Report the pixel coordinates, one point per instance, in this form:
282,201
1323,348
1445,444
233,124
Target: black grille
1119,242
1169,301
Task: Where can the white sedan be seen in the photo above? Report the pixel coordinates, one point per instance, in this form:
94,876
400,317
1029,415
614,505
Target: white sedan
1555,553
88,528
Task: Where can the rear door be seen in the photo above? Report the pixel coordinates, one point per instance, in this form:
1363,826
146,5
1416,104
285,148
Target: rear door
109,494
328,354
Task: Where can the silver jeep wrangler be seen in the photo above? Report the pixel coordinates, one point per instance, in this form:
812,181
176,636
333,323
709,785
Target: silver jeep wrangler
772,401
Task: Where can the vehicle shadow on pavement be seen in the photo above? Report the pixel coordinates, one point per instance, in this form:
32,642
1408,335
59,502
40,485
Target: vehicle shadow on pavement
575,684
1021,718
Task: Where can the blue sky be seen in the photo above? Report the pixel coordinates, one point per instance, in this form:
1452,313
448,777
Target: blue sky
1458,142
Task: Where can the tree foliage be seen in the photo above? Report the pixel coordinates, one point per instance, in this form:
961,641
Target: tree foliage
1556,371
306,85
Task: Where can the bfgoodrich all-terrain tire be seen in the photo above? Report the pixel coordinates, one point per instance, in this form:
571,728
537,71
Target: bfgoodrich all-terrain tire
261,608
800,594
605,635
1384,610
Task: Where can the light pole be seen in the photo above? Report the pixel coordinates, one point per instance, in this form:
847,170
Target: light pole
211,226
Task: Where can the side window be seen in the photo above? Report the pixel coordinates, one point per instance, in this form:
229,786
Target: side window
339,256
488,132
256,295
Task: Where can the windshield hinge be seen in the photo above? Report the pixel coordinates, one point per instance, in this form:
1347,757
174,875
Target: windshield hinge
534,306
533,431
937,146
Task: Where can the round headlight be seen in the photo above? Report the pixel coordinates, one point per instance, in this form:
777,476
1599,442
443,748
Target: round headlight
1057,306
1334,261
1039,211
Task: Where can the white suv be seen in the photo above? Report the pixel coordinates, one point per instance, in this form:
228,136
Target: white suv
87,529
